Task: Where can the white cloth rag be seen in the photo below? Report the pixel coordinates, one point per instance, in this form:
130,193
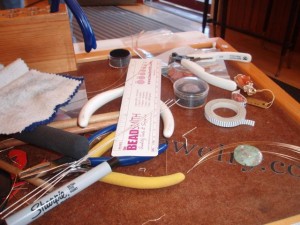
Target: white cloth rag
29,98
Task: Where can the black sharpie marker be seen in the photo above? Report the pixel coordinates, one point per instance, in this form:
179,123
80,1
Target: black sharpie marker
53,199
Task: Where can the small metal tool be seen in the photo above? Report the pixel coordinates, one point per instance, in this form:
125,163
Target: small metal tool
189,62
211,57
47,168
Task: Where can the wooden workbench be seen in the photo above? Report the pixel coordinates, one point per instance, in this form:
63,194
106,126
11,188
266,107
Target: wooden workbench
219,191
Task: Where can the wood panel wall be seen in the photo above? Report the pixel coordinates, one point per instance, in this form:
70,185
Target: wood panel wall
250,15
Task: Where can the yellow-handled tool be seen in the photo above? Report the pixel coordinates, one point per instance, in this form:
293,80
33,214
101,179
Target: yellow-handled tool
130,181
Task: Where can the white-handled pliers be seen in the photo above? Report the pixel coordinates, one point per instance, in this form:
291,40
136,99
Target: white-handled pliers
101,99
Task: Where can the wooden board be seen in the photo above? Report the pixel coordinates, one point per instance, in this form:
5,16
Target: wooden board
42,39
30,2
283,99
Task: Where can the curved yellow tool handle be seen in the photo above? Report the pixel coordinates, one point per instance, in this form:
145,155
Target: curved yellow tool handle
131,181
139,182
101,147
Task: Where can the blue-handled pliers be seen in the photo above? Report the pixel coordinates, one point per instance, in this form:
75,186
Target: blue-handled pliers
130,181
122,160
127,160
86,29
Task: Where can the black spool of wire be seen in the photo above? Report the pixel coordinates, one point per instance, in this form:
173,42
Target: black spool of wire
119,58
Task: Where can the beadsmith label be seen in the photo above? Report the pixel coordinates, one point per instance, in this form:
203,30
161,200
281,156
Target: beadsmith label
138,126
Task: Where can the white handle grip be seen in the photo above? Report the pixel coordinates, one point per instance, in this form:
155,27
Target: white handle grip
101,99
97,102
209,78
